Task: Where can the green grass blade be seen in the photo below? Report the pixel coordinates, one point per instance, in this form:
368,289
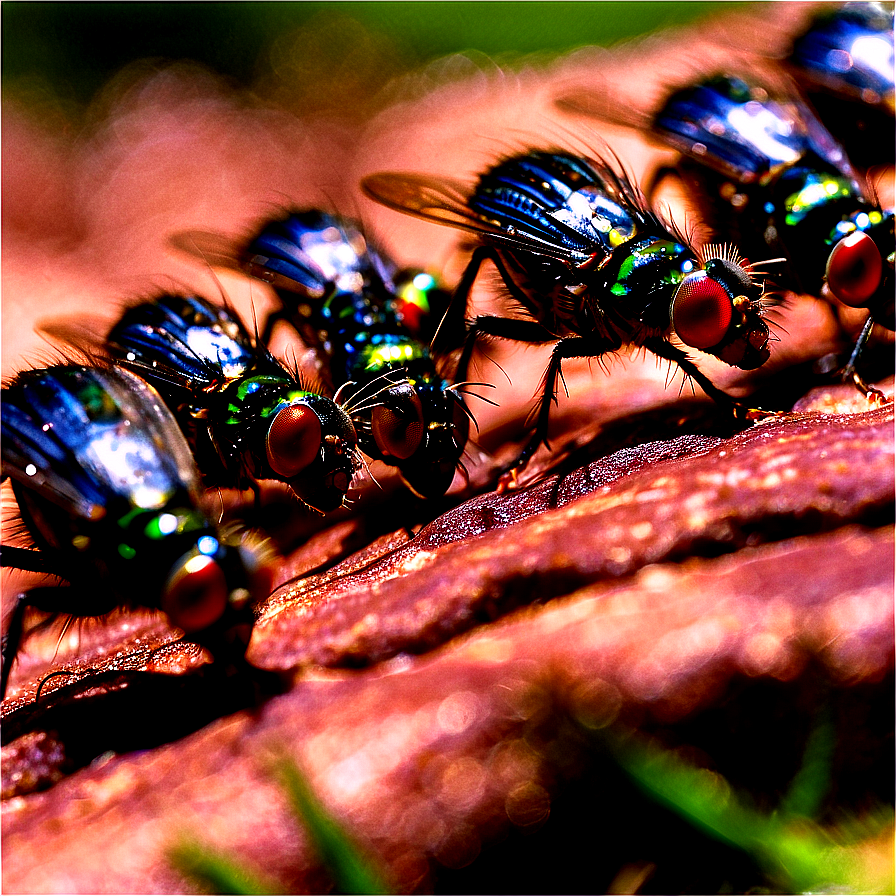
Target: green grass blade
811,782
351,871
794,853
212,871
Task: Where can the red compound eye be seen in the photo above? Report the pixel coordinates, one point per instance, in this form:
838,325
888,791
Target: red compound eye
701,311
294,440
399,433
196,595
854,269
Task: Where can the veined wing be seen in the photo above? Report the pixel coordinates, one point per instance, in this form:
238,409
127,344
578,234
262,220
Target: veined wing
444,201
215,249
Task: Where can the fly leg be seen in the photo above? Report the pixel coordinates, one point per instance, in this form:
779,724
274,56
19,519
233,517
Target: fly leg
669,352
453,321
504,327
12,639
570,347
29,561
59,600
850,374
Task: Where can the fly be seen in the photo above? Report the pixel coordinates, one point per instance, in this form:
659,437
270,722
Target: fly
591,266
246,417
366,328
771,177
108,494
844,63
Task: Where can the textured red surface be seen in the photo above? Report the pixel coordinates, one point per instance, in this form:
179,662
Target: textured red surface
438,687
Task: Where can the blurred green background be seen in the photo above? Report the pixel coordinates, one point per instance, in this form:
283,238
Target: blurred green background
72,49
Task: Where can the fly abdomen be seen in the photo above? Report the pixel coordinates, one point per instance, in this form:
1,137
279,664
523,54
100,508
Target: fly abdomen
245,415
383,376
109,494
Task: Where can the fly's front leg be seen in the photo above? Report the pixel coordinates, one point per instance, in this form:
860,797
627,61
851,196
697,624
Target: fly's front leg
505,328
669,352
849,374
527,331
571,347
448,334
453,323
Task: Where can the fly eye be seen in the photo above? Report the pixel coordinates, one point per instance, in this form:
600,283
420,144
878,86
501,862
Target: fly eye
854,269
399,431
701,311
196,595
294,440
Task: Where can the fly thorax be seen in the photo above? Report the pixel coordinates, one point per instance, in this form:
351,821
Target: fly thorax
647,278
386,354
816,191
221,345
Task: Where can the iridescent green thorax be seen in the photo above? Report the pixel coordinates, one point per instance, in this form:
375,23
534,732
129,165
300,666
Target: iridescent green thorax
665,262
144,532
867,222
818,190
389,355
261,396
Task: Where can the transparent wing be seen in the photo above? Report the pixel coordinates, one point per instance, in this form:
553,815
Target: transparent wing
83,333
603,107
444,201
215,249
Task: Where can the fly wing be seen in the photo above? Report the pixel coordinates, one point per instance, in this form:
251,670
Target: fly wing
600,105
848,50
86,437
743,131
215,249
444,201
139,401
84,333
41,460
735,125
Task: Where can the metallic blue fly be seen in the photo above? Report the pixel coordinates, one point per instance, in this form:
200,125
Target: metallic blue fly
245,416
109,496
769,176
844,63
591,267
339,294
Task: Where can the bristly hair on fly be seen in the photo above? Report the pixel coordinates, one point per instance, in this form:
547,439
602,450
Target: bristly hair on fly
754,270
